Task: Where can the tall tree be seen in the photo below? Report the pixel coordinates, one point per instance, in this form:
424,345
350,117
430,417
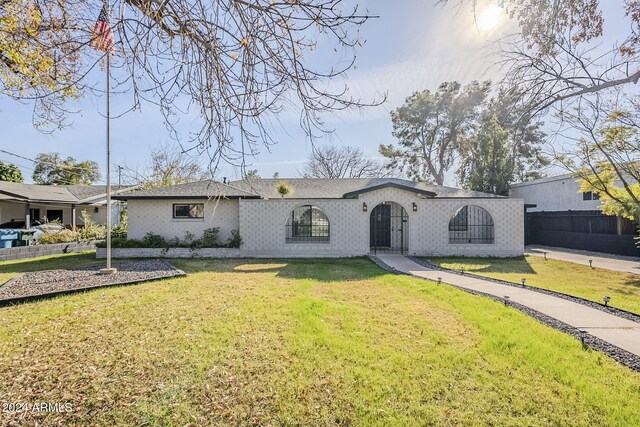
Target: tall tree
491,167
10,172
237,63
430,127
50,169
332,161
563,52
524,138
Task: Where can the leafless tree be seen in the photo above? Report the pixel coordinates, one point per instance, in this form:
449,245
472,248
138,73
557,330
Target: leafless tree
332,161
237,64
167,166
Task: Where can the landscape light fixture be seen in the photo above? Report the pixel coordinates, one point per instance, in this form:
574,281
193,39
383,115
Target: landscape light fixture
545,256
415,207
462,270
583,335
439,280
591,263
606,300
364,207
523,280
506,300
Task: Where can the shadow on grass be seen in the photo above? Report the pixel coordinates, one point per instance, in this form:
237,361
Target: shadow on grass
327,270
518,265
633,282
53,262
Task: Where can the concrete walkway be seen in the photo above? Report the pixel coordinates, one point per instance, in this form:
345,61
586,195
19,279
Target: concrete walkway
600,260
622,333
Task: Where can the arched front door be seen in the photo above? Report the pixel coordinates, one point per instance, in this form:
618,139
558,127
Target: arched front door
389,228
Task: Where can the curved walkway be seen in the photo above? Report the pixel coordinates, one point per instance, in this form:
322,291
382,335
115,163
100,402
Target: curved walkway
622,333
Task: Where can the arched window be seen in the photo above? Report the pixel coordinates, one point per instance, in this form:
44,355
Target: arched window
471,224
307,224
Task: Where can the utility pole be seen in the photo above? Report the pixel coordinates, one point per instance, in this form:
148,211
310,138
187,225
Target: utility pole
120,168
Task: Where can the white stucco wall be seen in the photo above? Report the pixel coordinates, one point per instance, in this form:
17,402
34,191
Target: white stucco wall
553,194
262,226
156,216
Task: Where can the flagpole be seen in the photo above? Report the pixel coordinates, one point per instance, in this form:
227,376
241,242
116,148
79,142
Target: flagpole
109,269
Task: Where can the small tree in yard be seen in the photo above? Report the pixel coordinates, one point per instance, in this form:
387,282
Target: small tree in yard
611,165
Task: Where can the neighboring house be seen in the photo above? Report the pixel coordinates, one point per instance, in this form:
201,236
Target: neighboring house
59,203
334,217
559,214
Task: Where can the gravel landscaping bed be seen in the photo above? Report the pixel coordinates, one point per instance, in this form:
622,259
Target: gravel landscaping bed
588,341
41,284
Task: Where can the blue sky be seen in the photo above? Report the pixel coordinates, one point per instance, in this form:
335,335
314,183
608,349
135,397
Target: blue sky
413,46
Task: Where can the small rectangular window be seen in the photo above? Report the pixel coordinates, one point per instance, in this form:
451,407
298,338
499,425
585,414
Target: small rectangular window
596,196
192,210
586,195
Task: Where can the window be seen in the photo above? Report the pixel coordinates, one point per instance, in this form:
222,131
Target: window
54,215
590,195
193,210
471,224
460,221
307,224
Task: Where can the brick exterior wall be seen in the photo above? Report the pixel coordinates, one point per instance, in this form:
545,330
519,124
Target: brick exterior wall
262,224
25,252
156,216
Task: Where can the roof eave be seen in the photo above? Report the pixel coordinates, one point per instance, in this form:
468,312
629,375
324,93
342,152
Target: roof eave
356,193
178,197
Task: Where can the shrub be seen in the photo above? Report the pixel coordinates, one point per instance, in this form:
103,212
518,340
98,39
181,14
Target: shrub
235,241
91,230
151,240
210,237
63,236
120,242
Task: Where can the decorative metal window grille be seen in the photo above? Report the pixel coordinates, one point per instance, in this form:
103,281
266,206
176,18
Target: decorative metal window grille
307,224
471,224
193,210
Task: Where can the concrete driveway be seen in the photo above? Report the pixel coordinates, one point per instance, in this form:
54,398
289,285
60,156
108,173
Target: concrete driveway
600,260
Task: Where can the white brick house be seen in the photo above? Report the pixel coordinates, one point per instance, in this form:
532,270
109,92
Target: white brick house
334,217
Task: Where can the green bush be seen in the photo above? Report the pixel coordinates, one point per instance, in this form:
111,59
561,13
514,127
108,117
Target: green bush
62,236
235,241
151,240
210,237
91,230
120,242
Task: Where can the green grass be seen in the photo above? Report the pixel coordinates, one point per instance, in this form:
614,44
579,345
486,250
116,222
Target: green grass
301,342
560,276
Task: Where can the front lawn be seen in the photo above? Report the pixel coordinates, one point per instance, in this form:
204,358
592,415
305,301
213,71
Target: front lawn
560,276
300,342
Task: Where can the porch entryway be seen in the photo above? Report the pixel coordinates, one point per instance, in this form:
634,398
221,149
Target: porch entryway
389,228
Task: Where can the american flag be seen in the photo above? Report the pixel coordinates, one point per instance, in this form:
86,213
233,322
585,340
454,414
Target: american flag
102,37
